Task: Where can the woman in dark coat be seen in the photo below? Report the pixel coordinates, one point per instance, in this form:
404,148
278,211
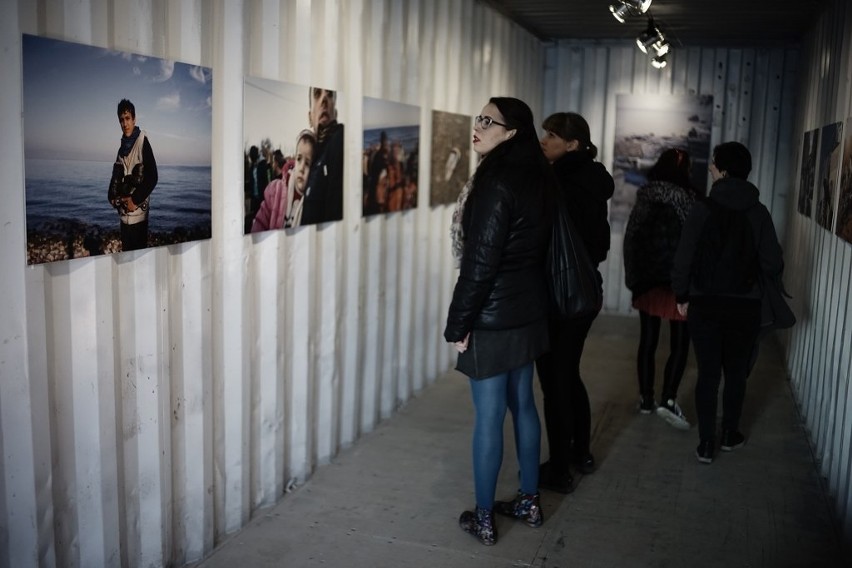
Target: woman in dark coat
497,317
585,186
727,249
650,240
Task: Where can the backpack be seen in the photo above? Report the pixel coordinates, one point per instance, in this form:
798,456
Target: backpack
572,279
726,259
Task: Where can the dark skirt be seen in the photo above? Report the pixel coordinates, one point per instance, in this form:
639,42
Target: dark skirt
491,352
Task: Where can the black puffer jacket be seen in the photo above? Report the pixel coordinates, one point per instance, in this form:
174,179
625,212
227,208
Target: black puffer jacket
586,186
652,235
507,228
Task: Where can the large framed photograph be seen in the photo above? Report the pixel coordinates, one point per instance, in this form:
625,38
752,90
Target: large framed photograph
831,137
645,126
117,150
391,156
844,199
292,154
451,146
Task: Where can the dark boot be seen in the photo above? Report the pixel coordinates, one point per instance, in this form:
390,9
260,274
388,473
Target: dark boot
525,507
480,523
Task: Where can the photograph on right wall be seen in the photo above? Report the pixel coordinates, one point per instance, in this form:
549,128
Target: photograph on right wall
829,169
807,175
844,202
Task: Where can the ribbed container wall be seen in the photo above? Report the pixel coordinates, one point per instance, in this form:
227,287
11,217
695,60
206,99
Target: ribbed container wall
152,402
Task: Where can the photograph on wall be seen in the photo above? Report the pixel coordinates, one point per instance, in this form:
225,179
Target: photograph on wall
844,200
451,143
292,155
807,175
391,154
645,126
117,150
831,136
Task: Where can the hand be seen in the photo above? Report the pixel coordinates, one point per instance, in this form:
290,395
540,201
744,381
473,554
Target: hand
683,308
128,204
461,346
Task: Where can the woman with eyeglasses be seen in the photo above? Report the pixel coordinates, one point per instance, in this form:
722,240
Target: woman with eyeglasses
585,186
650,241
497,317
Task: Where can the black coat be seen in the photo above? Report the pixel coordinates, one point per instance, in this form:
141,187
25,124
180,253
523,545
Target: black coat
652,235
735,194
586,186
507,228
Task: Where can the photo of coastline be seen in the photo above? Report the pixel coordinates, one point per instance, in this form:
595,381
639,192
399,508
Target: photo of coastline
645,126
117,150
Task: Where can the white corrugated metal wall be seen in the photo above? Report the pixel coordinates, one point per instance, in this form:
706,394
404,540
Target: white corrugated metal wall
152,402
819,269
753,100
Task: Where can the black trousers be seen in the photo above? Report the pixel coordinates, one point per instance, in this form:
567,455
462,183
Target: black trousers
134,237
649,336
567,412
724,332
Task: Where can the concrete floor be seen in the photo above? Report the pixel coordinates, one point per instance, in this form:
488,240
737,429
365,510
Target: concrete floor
393,499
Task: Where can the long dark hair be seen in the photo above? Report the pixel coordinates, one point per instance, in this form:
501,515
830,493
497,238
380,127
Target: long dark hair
672,166
572,126
523,147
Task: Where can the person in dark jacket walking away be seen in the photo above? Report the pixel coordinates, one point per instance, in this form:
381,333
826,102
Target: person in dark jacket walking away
497,317
727,247
650,240
585,186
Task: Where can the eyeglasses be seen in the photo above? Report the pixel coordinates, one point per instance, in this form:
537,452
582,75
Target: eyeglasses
485,122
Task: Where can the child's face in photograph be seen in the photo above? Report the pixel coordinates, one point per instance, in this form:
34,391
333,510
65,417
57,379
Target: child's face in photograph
304,158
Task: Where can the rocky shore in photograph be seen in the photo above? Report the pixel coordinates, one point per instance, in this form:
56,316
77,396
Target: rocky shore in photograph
67,239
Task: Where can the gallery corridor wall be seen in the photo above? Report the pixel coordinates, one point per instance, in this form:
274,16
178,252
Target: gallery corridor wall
152,402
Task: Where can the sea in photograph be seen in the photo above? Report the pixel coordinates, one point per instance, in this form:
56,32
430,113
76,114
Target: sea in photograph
67,200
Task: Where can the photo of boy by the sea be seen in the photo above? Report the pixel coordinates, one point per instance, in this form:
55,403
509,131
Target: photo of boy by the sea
89,112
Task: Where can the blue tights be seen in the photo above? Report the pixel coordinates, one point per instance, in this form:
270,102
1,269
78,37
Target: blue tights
491,397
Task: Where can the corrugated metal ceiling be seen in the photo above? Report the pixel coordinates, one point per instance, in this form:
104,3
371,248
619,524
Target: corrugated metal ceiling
744,23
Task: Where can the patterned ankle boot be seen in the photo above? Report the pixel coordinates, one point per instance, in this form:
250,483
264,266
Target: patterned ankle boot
525,507
480,523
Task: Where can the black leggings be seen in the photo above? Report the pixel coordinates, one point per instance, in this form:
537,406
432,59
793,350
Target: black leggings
649,335
567,412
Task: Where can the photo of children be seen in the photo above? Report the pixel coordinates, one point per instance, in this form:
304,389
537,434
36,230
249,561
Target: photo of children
293,155
390,158
117,150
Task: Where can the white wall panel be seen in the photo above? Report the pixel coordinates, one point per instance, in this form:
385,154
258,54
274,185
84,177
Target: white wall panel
160,398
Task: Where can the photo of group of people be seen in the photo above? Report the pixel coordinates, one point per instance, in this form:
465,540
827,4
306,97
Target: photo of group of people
390,161
807,175
117,150
293,156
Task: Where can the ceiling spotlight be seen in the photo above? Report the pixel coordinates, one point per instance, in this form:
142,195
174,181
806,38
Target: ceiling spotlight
659,61
629,8
662,46
649,37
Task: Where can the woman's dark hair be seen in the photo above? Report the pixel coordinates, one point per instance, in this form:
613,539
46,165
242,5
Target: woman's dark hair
571,126
672,166
524,146
733,158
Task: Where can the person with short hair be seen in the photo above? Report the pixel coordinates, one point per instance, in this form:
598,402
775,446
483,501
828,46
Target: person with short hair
134,176
722,300
323,200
